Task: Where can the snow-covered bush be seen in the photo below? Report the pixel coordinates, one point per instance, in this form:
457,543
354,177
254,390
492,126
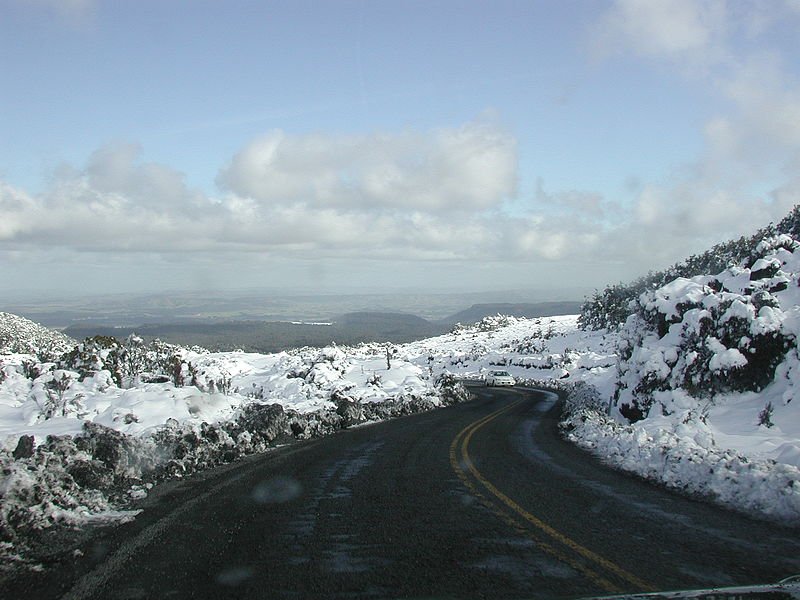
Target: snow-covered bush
450,389
129,362
22,336
609,308
710,335
486,324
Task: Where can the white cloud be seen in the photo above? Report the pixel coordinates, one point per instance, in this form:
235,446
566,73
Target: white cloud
686,31
73,12
116,169
416,196
752,142
466,169
119,204
19,212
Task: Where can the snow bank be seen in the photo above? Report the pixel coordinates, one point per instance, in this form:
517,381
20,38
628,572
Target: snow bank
717,447
684,456
703,399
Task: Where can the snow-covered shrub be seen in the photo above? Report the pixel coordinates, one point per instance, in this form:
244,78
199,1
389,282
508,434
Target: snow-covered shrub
22,336
57,403
451,390
99,353
128,362
486,324
710,335
609,308
152,362
765,416
583,396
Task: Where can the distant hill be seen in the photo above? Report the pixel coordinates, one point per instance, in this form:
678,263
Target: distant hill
275,336
21,335
476,312
390,327
347,329
251,336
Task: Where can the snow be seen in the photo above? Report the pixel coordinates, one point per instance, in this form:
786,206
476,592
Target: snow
667,298
303,380
724,359
711,365
740,447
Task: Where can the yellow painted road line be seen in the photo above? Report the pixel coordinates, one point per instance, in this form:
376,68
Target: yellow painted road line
460,445
515,523
526,532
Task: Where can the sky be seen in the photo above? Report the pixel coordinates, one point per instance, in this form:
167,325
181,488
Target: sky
339,146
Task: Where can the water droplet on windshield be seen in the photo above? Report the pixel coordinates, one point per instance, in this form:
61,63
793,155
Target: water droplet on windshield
234,576
276,490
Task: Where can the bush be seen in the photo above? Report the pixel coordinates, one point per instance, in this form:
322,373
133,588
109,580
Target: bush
609,308
707,335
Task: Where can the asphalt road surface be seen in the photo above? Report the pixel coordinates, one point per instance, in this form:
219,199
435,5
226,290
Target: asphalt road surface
480,500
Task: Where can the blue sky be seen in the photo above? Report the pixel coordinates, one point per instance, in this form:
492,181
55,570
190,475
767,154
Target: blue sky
425,145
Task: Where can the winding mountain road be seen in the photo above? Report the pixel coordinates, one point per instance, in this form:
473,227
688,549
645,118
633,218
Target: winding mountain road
479,500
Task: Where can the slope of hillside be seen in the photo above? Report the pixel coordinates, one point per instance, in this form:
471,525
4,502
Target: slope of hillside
611,306
705,393
19,335
476,312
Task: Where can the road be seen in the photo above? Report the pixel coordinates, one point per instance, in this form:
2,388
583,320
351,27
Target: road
479,500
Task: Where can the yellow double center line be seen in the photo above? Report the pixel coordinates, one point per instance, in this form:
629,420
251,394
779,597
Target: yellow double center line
463,466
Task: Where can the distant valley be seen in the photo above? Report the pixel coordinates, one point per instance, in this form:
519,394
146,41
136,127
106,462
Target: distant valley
350,328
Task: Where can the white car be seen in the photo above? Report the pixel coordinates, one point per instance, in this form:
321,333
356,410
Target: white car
499,378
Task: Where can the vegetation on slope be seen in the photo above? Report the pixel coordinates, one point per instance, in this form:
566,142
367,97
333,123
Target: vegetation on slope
609,308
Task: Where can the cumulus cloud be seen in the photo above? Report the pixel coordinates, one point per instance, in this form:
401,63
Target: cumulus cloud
687,31
414,195
466,169
751,147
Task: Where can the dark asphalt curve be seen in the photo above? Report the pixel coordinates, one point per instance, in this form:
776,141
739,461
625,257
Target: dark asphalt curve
480,500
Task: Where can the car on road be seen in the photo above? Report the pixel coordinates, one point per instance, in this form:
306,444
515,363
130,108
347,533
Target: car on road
497,378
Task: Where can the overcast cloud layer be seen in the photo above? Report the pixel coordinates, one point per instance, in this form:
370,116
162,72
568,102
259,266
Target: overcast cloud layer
452,194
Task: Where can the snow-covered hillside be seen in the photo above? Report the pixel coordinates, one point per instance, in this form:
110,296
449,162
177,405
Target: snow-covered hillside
707,385
721,350
20,335
135,388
